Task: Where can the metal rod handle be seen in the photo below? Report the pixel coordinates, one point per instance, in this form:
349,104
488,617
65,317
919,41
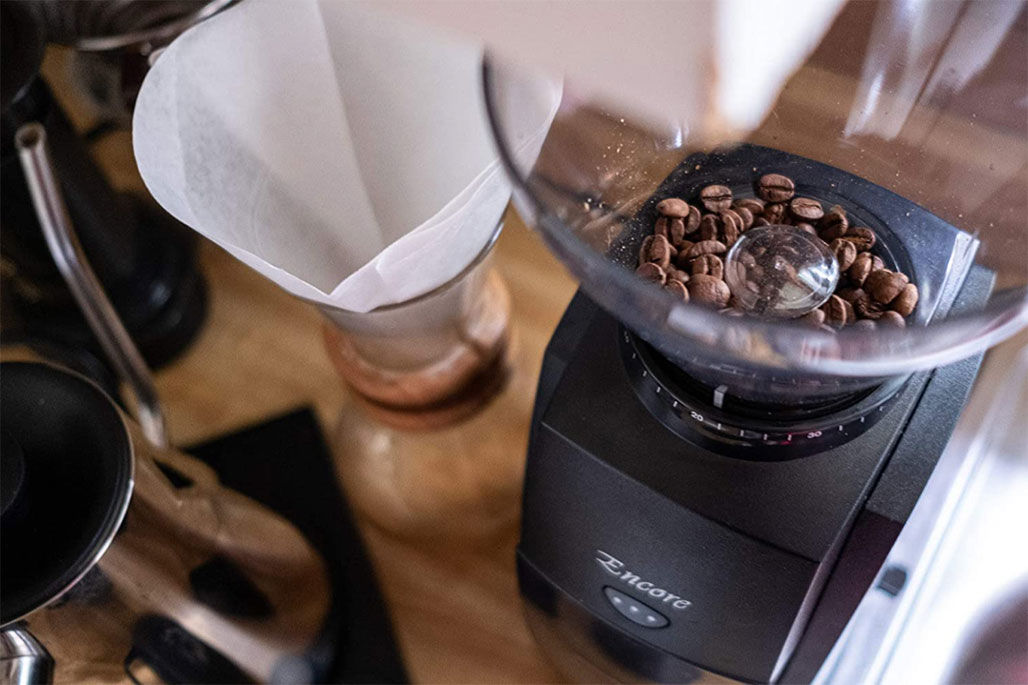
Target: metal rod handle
74,267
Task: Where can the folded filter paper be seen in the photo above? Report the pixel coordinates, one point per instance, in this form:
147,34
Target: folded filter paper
343,155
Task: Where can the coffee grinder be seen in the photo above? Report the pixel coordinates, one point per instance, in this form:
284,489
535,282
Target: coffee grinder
708,497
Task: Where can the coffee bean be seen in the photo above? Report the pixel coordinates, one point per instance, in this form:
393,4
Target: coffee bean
676,232
708,265
692,222
716,198
677,275
834,224
754,204
876,263
776,188
804,226
891,318
760,221
746,216
838,312
860,268
852,295
644,249
705,247
681,259
673,207
814,317
662,226
709,290
805,208
658,251
651,272
733,217
868,308
906,301
845,253
731,224
775,212
863,238
710,226
884,285
865,325
676,289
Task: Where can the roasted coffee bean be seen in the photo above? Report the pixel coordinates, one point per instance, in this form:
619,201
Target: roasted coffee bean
676,232
834,224
676,289
692,222
883,285
775,212
845,253
680,259
677,275
708,265
673,207
746,216
716,198
710,227
658,251
891,318
651,272
776,188
731,216
906,301
814,317
804,226
868,309
853,295
838,312
709,290
662,227
860,268
731,226
705,247
865,325
754,204
876,263
644,249
760,221
864,238
806,209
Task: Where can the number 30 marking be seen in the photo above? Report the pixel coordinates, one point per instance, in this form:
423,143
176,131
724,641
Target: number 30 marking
814,434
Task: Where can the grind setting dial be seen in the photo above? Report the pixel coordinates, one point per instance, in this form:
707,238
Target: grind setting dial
705,417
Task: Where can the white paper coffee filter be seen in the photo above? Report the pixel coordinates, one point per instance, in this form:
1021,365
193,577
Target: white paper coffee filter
345,157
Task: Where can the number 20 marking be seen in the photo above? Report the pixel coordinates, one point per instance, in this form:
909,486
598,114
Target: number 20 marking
698,417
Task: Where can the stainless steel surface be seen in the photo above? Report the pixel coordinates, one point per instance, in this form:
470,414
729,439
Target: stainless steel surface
164,535
74,267
23,661
962,548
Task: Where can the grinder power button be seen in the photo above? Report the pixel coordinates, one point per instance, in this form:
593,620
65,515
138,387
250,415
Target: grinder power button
634,610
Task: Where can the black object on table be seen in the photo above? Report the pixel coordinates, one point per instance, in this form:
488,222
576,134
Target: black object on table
285,464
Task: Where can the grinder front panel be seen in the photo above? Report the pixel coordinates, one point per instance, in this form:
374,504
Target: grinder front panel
656,570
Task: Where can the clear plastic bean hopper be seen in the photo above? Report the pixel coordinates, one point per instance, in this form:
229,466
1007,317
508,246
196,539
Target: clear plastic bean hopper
787,284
